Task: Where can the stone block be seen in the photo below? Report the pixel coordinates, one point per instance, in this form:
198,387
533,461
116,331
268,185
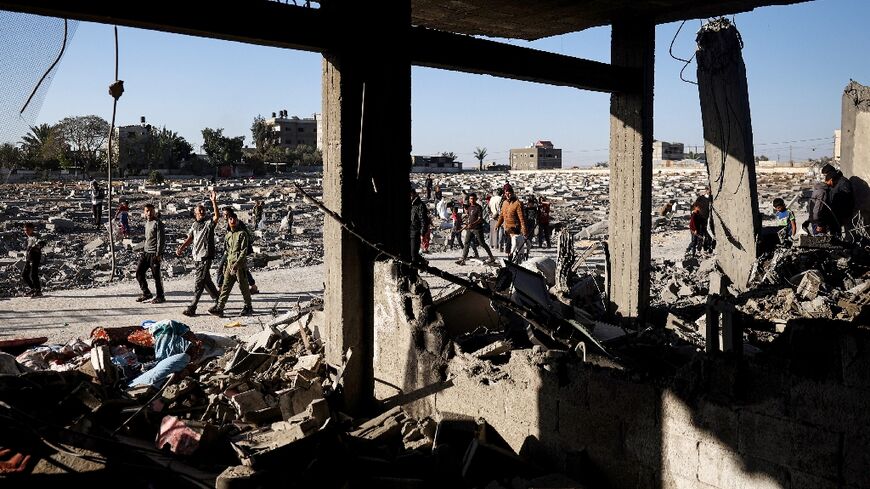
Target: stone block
802,480
679,455
856,460
789,443
726,469
816,242
830,405
856,359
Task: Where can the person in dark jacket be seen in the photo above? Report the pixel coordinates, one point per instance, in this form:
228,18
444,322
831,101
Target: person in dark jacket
839,199
152,255
474,226
419,223
818,211
97,197
33,257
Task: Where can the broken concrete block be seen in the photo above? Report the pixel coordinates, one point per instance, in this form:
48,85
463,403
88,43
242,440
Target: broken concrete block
808,289
816,242
309,362
493,349
93,245
184,436
249,401
295,400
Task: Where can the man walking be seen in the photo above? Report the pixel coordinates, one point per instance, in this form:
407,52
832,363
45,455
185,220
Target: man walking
512,219
33,256
429,187
419,223
474,226
152,255
201,234
236,243
97,197
252,284
495,233
258,213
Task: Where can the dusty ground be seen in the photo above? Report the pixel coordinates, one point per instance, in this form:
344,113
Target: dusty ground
67,314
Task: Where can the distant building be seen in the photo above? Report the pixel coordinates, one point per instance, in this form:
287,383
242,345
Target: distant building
133,145
540,156
293,131
435,164
665,151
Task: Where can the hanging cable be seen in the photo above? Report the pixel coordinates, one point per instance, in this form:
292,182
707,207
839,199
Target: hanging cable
44,75
116,89
686,61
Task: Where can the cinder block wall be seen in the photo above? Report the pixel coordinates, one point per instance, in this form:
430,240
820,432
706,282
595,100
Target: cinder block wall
797,417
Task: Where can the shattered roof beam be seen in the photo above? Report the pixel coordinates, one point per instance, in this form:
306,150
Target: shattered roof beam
521,19
436,49
279,25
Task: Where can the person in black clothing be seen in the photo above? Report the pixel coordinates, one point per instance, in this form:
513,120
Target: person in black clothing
839,199
152,255
227,211
33,254
429,187
97,197
419,223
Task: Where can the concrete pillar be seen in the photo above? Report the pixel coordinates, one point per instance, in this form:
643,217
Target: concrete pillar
728,142
631,137
367,143
855,143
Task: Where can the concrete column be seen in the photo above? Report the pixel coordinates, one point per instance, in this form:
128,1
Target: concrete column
367,143
728,142
631,137
855,143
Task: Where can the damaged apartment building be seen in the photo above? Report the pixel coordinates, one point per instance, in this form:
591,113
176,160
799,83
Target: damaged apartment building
534,376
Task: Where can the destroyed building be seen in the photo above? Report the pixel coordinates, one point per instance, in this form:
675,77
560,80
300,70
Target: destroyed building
562,379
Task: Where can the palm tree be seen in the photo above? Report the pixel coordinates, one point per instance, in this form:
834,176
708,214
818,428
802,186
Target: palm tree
40,144
480,154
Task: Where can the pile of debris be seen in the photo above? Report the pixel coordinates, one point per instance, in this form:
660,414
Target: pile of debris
77,253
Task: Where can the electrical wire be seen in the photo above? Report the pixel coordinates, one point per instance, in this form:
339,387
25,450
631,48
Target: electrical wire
109,169
686,61
56,61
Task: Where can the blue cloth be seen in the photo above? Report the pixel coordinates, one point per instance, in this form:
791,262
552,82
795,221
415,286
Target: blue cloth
168,339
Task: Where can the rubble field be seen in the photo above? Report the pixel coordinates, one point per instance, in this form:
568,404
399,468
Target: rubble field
169,403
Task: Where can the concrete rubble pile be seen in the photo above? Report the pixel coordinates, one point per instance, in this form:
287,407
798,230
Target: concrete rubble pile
77,253
259,411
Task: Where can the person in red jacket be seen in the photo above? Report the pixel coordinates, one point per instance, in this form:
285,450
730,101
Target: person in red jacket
698,228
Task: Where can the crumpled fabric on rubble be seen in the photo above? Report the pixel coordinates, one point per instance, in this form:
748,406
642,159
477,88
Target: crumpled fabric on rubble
59,358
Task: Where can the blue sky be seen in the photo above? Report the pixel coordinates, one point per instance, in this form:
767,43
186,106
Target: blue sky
798,57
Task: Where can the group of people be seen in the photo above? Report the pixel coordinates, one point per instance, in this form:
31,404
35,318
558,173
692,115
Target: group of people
511,224
200,239
830,208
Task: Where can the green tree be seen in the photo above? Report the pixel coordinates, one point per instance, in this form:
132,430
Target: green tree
166,148
263,135
449,154
42,148
480,154
83,138
11,156
222,150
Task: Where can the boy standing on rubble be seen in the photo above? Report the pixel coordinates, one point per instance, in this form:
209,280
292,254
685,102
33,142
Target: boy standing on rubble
698,228
201,234
237,241
33,256
785,219
152,255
